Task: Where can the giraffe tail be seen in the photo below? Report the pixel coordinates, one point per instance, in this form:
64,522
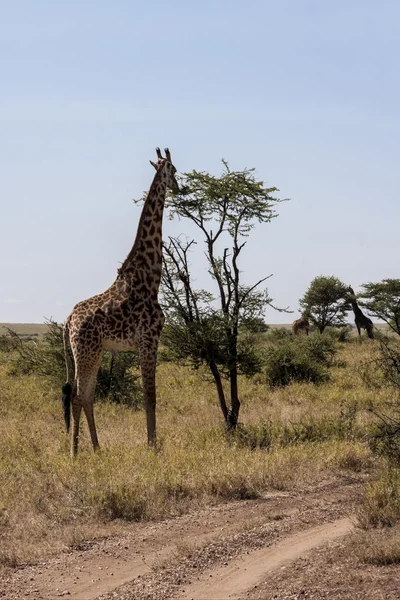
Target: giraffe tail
67,387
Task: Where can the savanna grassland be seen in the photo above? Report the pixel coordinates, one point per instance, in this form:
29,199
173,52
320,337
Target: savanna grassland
289,438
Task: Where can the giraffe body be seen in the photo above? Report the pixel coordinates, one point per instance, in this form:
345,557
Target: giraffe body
300,325
126,316
361,321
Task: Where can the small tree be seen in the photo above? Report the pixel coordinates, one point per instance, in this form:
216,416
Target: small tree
214,328
325,302
382,300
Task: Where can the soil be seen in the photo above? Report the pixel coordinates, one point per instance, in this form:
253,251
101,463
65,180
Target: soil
284,545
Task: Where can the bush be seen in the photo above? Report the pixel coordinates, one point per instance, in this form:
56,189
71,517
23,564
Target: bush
116,380
7,343
278,334
302,358
339,334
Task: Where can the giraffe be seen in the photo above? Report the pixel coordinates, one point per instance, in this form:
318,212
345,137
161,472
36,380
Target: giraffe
361,321
124,317
301,324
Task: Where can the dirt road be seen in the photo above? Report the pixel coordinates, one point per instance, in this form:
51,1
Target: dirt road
234,580
219,552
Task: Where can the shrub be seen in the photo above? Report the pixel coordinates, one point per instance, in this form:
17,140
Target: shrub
302,358
116,380
278,334
339,334
7,343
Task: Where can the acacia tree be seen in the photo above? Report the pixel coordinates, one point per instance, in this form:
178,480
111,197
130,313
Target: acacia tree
214,328
326,302
382,300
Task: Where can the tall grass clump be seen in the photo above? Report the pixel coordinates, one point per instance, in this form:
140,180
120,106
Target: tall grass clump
315,428
381,504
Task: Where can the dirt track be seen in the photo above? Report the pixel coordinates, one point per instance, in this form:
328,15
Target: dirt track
236,542
245,572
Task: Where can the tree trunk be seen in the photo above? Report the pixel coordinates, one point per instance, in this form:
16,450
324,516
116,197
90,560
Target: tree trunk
220,389
233,414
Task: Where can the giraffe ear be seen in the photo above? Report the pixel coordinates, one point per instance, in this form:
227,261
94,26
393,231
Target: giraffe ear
153,164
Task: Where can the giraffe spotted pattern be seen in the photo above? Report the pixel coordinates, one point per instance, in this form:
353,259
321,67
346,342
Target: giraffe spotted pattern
124,317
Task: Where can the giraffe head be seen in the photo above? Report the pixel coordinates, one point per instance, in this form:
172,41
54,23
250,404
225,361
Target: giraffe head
165,165
351,291
351,295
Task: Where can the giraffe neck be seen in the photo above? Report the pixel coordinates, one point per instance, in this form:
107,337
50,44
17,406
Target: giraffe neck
356,309
146,252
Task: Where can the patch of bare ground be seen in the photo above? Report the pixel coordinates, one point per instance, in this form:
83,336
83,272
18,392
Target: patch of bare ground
159,560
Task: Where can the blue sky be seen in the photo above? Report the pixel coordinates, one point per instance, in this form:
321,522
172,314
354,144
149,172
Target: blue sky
305,91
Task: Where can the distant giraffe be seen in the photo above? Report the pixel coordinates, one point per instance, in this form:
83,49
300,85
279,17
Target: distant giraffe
127,315
301,324
361,320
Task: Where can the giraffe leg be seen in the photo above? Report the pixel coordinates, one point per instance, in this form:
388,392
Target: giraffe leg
88,408
148,358
84,398
87,395
76,415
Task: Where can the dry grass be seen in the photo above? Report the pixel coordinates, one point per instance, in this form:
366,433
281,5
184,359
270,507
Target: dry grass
379,547
48,501
381,504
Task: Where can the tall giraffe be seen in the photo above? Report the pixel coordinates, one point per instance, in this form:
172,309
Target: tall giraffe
361,320
124,317
302,324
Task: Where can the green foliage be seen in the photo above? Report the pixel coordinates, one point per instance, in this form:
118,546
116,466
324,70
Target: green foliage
325,302
382,300
301,358
340,334
44,358
278,334
116,380
7,343
204,341
217,328
195,342
236,196
254,324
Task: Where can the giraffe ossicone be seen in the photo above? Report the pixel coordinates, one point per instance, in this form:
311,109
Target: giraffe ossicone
126,316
